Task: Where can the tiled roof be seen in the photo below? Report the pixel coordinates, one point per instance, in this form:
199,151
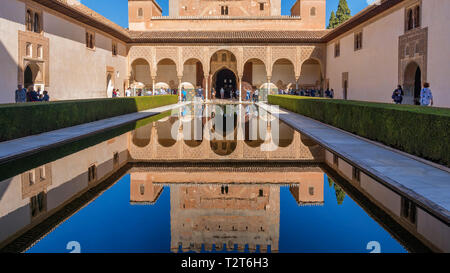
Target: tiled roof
87,16
81,13
228,36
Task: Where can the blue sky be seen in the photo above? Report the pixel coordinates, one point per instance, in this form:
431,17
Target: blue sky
117,10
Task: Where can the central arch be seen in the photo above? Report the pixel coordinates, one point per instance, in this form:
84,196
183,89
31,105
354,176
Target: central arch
226,79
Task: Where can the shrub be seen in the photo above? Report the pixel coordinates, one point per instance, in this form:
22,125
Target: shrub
25,119
421,131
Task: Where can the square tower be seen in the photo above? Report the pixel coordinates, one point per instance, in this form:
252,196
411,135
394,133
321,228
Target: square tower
312,13
140,13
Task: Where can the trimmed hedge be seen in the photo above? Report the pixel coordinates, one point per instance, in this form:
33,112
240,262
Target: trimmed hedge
24,119
417,130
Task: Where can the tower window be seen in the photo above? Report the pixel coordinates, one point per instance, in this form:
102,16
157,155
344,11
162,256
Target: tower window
140,12
261,6
312,11
224,10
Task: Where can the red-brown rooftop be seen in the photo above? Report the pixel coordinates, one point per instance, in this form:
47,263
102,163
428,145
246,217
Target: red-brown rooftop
228,36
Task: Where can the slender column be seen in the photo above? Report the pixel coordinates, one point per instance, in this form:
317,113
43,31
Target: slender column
296,82
268,86
153,84
179,87
240,88
207,88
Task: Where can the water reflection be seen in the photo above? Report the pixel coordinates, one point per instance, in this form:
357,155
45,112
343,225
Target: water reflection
234,205
217,132
225,216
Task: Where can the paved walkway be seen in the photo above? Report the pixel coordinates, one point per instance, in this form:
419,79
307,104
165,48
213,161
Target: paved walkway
421,181
21,147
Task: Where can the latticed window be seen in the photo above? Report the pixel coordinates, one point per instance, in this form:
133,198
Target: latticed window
313,11
140,12
261,6
412,18
29,20
37,23
358,40
114,49
337,49
90,43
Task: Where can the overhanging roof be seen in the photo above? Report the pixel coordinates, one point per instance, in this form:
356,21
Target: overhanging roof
89,17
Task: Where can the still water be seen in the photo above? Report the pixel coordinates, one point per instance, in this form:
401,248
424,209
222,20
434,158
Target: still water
113,224
202,179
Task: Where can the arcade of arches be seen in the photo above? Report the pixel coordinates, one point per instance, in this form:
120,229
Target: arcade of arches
231,68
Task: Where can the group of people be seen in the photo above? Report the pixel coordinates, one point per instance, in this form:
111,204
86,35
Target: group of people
142,92
30,95
311,92
425,99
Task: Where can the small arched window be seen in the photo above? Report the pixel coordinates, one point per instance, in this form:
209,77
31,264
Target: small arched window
29,20
29,50
312,12
39,51
140,12
37,23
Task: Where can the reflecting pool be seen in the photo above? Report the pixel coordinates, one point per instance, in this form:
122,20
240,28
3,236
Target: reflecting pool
205,178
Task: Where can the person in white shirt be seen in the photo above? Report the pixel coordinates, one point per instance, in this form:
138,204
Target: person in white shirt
128,93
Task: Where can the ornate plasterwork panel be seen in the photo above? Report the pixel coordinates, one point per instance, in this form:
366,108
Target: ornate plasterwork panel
413,47
255,52
288,53
140,52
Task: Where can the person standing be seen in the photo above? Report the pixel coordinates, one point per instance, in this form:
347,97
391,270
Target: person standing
332,93
183,93
222,93
46,97
426,97
21,94
397,95
256,95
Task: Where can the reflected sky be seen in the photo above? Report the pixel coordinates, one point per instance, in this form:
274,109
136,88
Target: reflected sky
111,224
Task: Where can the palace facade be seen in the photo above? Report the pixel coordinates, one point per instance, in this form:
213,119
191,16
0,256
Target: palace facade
73,52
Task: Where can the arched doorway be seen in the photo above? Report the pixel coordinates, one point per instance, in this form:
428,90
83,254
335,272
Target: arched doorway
109,85
225,79
28,77
412,83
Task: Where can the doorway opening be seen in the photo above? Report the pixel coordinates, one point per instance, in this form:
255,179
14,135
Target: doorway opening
225,79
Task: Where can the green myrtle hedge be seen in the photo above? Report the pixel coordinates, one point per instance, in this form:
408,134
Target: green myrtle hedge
24,119
418,130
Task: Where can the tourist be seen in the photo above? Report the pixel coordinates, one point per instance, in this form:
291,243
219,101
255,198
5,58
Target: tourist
256,95
238,93
222,93
114,94
183,93
21,94
397,95
32,95
128,93
331,93
426,97
45,97
247,97
327,93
